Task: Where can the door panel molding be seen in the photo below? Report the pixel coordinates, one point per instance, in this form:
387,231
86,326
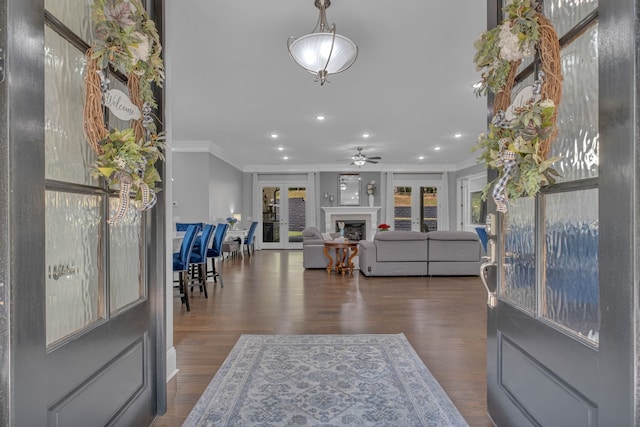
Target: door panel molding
537,390
582,357
117,383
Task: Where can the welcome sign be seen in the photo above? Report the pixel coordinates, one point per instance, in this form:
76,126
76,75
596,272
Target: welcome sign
120,105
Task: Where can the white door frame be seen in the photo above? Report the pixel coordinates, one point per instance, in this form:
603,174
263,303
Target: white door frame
443,197
284,242
465,186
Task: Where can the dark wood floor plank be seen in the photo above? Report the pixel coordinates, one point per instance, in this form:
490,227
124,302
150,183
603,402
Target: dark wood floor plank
444,319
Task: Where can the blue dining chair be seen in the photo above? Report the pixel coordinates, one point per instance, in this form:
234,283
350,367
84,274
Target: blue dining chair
198,258
182,226
482,234
249,241
181,263
215,251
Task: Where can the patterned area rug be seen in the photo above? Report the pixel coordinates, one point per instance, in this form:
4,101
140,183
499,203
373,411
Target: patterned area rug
324,380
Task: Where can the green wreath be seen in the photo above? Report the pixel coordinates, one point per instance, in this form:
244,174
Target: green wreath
517,144
127,42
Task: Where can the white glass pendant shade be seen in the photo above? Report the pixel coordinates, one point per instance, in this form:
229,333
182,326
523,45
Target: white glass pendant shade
314,52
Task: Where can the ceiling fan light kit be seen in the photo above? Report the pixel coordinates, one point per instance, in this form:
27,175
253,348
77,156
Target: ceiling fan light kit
323,52
359,159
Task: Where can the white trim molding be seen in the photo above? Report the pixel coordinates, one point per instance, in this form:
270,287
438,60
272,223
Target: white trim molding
365,213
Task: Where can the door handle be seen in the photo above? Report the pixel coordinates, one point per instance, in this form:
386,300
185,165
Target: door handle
492,298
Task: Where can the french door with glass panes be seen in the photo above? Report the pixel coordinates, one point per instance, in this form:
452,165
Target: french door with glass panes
284,213
471,208
82,328
416,206
562,334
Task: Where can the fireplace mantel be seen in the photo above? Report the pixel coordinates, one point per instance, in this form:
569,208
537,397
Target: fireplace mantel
369,214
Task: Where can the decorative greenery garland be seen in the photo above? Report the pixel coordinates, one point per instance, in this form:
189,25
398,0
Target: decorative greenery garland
128,42
518,140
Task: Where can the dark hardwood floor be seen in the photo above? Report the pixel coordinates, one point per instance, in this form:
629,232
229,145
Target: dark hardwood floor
444,318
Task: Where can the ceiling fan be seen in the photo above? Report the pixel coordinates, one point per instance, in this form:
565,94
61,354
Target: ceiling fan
359,159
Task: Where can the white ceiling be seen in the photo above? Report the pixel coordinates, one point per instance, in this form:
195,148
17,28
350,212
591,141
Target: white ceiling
231,83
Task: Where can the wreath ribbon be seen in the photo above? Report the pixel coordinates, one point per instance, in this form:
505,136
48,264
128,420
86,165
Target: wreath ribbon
123,202
506,158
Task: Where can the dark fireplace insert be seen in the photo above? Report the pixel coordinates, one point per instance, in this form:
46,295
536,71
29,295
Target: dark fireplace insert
353,229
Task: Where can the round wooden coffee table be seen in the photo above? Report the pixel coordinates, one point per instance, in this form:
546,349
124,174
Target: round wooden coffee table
344,254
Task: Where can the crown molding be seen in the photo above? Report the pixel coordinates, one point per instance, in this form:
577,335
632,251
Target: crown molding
203,147
467,164
296,168
214,149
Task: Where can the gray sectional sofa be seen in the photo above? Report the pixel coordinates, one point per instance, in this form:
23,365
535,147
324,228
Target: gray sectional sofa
313,248
412,253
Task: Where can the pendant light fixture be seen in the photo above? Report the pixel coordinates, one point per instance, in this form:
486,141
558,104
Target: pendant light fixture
323,52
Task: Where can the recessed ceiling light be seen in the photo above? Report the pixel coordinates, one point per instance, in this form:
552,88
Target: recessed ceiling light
436,148
420,157
280,148
274,135
365,135
285,158
457,135
321,117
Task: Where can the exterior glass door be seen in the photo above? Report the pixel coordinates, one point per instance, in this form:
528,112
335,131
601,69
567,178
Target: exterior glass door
549,362
415,207
84,345
283,216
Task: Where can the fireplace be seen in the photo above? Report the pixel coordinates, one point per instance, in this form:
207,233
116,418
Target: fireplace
354,230
364,214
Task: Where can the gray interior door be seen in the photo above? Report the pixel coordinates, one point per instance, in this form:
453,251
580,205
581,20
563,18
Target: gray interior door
84,299
560,343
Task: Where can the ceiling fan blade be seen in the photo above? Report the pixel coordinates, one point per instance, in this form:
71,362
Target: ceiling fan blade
370,161
375,158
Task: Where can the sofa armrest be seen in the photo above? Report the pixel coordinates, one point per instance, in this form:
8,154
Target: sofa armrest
313,242
366,245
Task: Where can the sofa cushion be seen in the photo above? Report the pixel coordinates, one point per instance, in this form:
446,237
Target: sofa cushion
452,235
456,246
400,235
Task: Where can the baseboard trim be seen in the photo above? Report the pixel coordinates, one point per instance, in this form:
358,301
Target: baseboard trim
172,368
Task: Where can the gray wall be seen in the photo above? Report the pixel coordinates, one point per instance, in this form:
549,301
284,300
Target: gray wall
225,190
208,189
205,188
190,172
329,184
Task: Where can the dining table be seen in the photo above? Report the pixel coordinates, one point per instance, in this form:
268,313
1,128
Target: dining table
236,234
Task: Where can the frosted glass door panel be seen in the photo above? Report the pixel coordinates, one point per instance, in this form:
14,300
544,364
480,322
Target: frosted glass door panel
565,14
519,282
73,229
578,140
67,155
125,266
571,239
75,14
